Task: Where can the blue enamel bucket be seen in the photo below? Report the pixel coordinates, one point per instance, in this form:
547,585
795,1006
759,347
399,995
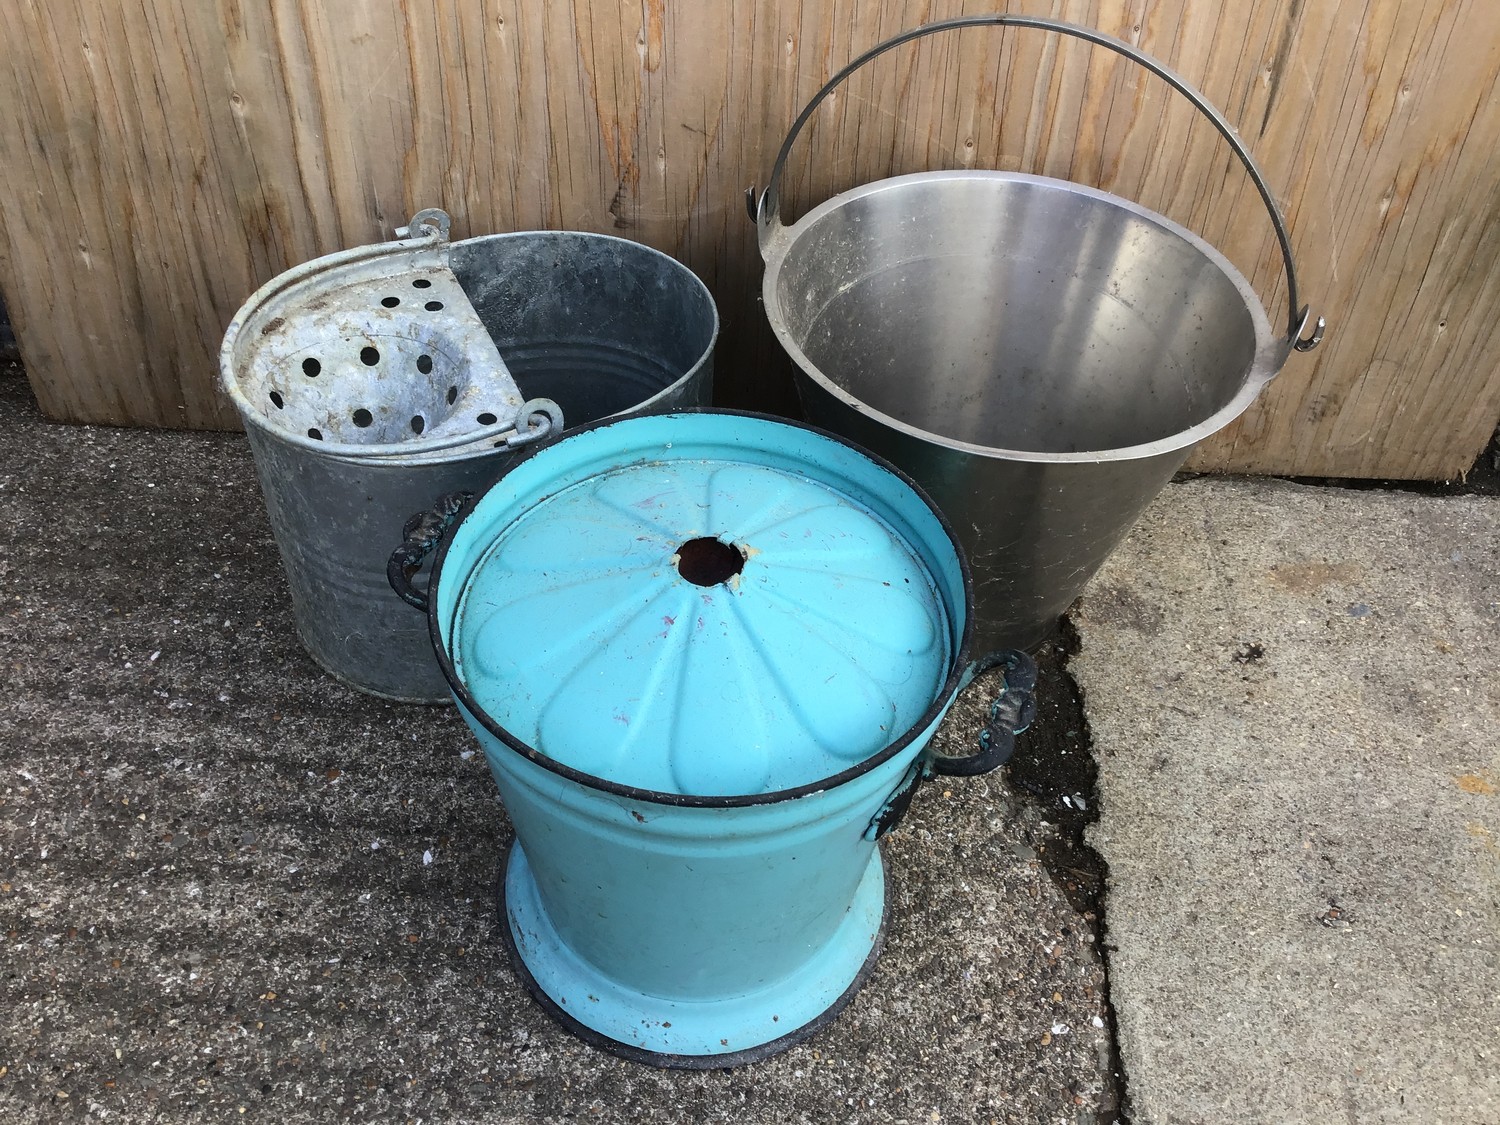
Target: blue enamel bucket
704,653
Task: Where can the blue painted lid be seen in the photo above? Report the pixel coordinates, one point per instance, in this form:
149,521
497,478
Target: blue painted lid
708,619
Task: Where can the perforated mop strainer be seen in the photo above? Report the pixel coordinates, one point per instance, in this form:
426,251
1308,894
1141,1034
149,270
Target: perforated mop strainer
369,385
377,349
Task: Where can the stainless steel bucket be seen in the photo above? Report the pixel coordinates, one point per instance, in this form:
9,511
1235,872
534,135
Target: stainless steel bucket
1041,356
372,380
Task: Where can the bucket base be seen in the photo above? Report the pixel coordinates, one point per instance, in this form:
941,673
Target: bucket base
685,1034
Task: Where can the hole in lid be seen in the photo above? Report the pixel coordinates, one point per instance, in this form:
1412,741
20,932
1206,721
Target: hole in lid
369,356
418,423
708,562
277,400
315,433
363,417
486,419
390,302
424,364
452,395
311,367
421,283
433,306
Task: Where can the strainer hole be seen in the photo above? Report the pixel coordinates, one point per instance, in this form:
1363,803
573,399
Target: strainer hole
277,400
433,306
363,417
369,356
452,395
418,423
486,419
424,365
311,367
315,433
421,283
390,302
708,562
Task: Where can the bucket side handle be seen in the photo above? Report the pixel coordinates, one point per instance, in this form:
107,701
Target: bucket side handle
765,209
420,537
1012,711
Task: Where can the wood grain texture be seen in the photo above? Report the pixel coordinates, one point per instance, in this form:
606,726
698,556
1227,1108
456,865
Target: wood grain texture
164,157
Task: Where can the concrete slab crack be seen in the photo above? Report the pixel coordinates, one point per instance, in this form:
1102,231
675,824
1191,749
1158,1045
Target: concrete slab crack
1054,772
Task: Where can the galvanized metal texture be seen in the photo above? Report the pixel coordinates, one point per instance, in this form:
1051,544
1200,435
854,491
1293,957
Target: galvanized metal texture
602,326
334,520
1041,356
644,325
373,352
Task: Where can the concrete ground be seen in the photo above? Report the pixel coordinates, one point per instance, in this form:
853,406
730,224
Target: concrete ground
233,888
1294,696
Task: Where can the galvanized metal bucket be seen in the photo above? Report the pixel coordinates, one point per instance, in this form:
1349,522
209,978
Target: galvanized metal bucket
372,380
1041,356
705,678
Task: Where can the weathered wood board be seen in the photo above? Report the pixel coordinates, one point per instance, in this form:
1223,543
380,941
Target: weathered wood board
161,158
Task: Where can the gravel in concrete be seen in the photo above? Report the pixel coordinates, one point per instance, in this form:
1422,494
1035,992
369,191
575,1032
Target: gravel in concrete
233,889
1296,708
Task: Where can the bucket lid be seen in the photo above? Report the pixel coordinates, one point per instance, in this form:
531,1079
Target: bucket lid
736,613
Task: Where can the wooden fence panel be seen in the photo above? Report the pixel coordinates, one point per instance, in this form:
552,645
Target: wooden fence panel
164,157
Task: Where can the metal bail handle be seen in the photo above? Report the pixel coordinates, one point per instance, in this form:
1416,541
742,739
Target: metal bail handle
422,533
765,210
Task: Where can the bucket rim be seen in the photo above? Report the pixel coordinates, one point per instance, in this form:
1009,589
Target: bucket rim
479,442
942,697
646,405
1270,355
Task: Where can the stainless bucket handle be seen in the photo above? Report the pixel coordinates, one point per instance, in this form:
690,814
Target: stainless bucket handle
765,210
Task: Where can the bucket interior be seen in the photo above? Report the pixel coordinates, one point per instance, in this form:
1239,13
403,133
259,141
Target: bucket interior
1016,312
599,325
